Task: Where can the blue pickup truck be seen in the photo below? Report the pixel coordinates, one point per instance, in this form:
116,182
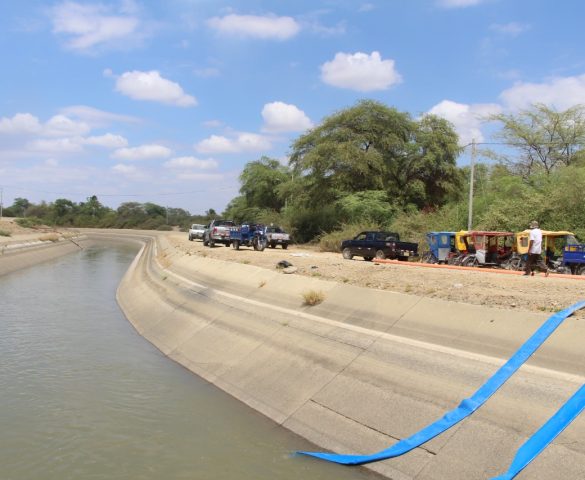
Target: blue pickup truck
370,245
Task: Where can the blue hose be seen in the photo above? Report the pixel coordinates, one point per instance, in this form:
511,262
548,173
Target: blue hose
467,406
546,434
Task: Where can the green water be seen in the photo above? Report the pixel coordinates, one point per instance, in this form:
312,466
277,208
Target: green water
83,396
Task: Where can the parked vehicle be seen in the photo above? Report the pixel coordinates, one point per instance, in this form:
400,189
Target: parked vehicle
370,245
248,235
441,247
574,258
554,244
486,249
196,231
276,236
218,231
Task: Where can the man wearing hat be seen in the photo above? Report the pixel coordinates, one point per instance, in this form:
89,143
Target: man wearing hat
534,251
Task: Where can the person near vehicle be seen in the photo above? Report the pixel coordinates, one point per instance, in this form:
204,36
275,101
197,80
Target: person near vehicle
534,251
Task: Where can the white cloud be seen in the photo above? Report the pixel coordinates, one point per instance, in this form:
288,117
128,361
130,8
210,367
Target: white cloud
264,27
212,123
201,176
108,140
243,142
152,87
458,3
62,126
191,162
56,146
467,119
92,25
512,28
283,117
360,71
95,117
21,123
124,169
144,152
559,92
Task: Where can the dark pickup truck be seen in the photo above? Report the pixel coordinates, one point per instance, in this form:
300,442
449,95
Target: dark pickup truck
372,245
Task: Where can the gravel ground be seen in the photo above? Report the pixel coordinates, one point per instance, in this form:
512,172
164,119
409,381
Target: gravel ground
479,286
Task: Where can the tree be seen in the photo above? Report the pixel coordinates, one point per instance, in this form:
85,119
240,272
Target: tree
260,182
544,138
20,205
374,147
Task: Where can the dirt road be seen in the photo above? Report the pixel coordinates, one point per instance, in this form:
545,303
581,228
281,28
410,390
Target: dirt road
478,287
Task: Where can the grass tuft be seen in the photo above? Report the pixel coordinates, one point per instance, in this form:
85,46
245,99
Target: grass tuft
313,297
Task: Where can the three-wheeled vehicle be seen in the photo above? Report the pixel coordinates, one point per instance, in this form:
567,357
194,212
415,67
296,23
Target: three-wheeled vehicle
248,235
486,249
574,258
441,247
554,245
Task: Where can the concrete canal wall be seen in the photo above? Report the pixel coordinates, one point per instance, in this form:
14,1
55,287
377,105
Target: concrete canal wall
362,369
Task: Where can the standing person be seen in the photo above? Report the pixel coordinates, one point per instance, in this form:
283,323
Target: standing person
534,251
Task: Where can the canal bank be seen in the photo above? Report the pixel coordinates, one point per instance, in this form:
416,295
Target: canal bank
362,369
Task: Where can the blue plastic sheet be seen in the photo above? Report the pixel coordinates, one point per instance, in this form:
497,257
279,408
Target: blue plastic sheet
467,406
546,434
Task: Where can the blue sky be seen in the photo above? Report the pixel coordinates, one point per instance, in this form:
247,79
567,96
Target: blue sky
166,101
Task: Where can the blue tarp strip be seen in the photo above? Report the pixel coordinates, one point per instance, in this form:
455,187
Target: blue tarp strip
467,406
546,434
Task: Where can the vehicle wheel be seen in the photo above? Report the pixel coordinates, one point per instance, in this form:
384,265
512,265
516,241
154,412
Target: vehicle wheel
471,262
380,254
205,242
272,245
190,238
236,244
368,259
284,246
347,254
211,243
581,271
261,245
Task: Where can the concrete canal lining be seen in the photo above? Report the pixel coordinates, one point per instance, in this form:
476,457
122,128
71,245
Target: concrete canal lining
362,369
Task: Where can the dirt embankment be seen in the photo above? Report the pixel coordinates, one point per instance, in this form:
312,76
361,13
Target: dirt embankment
479,287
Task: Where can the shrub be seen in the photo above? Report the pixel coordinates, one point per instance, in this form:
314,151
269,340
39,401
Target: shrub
49,237
29,222
164,228
4,233
313,297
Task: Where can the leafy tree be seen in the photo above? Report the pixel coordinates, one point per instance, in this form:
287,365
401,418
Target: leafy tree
543,138
374,147
20,206
367,206
260,181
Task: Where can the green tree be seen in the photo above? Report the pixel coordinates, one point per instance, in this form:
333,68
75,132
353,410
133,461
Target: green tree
374,147
542,138
20,205
260,181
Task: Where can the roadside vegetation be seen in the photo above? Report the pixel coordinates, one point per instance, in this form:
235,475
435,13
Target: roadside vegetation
371,166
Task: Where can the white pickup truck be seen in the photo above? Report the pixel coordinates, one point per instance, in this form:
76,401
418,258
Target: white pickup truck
277,236
196,231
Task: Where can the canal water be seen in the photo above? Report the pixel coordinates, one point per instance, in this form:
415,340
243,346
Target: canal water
83,396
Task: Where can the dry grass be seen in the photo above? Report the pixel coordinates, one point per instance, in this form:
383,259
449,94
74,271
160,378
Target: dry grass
262,283
5,233
49,237
313,297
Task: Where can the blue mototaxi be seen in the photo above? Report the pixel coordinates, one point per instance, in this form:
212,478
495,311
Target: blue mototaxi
441,247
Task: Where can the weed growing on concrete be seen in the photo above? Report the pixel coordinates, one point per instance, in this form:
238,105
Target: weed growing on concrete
313,297
262,283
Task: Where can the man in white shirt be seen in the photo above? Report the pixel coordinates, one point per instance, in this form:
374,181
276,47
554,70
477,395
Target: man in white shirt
534,251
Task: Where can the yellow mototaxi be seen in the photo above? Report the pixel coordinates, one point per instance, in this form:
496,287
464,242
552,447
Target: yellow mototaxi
553,243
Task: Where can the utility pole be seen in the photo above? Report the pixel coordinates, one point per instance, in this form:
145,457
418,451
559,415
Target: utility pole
1,198
472,166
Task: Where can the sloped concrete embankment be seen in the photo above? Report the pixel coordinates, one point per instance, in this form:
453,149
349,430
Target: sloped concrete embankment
16,256
365,367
